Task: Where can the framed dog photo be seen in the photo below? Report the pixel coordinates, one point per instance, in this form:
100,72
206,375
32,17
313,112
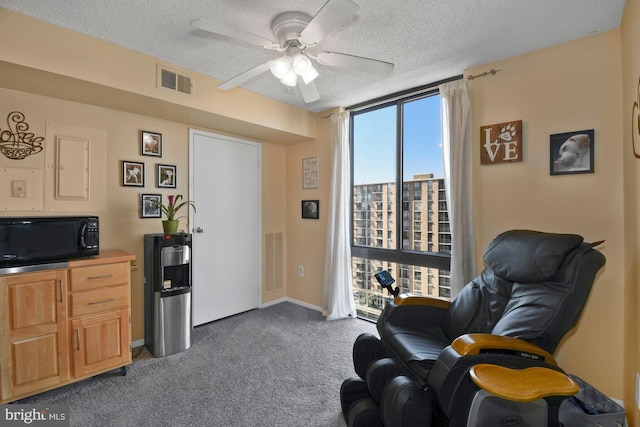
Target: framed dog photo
166,176
132,174
149,207
150,143
571,152
311,209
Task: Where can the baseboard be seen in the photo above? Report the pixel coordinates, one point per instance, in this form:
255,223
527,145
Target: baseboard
140,343
293,300
270,303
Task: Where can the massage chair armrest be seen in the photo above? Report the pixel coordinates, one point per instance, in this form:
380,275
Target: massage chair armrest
414,310
422,300
473,344
449,378
523,385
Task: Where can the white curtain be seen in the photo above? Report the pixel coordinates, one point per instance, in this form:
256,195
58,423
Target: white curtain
338,296
456,125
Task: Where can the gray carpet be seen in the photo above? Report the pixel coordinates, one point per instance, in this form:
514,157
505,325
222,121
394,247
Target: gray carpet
277,366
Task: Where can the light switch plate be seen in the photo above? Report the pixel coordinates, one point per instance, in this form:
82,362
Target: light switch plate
19,189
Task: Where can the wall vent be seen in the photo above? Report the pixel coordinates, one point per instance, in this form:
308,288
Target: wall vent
174,81
274,261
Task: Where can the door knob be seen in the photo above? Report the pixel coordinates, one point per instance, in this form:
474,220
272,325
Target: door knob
199,230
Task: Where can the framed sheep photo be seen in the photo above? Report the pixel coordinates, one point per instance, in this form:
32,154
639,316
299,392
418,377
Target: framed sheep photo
571,152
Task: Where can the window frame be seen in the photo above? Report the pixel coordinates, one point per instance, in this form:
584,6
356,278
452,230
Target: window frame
400,256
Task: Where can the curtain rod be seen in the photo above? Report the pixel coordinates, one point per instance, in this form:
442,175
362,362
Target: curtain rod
492,71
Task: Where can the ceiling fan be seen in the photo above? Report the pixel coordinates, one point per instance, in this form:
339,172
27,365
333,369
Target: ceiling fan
296,32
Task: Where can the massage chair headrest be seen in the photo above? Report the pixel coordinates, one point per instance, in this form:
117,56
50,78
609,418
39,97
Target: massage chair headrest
526,256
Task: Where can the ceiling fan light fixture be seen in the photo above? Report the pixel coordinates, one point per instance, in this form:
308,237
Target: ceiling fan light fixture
304,68
281,66
310,75
300,63
290,78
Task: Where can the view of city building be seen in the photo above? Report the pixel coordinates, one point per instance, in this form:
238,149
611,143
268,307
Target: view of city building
425,228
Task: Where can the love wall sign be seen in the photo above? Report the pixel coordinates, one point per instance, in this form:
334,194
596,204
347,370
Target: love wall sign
501,143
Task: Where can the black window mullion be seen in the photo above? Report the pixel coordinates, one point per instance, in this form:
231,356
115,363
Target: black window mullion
397,255
399,171
433,260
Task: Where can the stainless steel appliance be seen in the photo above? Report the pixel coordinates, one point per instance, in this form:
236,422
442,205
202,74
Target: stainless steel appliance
32,240
167,308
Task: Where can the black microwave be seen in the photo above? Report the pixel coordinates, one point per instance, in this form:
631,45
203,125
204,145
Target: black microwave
31,240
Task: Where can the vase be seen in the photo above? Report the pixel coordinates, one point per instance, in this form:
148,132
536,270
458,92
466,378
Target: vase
170,227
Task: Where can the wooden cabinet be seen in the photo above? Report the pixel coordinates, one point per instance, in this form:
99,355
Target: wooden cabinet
100,297
34,351
61,326
100,342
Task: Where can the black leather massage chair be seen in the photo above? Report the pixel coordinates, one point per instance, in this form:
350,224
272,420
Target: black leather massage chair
485,358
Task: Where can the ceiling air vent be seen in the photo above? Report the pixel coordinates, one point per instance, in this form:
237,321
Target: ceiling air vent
174,81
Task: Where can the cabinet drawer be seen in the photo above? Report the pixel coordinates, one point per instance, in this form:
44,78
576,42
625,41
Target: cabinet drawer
98,276
90,302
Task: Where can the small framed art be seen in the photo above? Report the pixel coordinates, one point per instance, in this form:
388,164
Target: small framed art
132,174
149,207
166,176
311,209
310,173
150,143
571,152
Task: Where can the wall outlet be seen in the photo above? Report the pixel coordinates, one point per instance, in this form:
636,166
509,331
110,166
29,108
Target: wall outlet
301,271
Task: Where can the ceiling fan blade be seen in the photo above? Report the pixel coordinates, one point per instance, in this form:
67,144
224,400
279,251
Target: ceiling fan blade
309,91
224,30
357,63
246,76
333,14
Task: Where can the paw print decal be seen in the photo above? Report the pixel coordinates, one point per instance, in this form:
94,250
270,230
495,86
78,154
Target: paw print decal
508,132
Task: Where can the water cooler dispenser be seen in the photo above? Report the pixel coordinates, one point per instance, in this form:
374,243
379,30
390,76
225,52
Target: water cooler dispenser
167,300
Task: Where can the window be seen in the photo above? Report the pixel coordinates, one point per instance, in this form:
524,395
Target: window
397,160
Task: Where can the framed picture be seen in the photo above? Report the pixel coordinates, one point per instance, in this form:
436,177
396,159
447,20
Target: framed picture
571,152
166,176
311,209
310,173
132,174
148,208
150,143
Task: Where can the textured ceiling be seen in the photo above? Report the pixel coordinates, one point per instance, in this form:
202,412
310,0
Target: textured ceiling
427,40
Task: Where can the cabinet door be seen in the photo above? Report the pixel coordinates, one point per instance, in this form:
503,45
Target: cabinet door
35,353
100,342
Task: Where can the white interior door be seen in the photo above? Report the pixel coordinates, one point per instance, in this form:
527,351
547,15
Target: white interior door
226,188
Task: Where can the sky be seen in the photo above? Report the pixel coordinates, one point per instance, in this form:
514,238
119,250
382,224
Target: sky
374,141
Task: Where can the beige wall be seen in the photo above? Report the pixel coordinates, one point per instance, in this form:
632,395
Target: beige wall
569,87
56,75
120,224
306,238
630,37
274,206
